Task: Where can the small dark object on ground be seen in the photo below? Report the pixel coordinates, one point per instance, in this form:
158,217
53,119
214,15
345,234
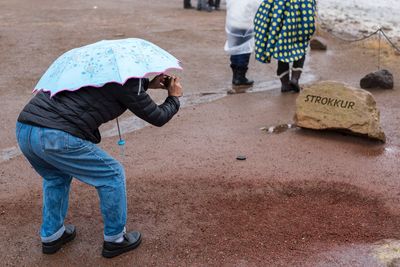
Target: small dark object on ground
240,157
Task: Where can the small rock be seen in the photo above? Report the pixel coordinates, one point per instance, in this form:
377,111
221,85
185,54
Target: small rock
318,43
379,79
394,263
387,28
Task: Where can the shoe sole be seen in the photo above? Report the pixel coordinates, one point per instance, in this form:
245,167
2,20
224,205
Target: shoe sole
53,249
113,253
242,85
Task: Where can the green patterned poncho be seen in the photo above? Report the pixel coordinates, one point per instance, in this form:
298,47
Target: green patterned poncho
283,29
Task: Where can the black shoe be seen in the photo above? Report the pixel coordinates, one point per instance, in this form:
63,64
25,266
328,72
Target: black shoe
54,246
131,241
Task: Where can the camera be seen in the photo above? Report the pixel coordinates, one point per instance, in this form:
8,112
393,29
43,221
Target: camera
167,81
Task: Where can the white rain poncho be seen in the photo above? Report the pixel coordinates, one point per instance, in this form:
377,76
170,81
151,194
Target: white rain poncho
239,26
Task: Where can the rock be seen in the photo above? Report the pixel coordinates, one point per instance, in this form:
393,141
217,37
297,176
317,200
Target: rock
379,79
387,28
335,106
318,43
394,263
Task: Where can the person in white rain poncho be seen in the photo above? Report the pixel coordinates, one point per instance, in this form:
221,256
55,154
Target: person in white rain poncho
239,28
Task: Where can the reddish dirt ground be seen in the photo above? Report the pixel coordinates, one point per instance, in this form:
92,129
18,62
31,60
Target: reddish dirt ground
298,198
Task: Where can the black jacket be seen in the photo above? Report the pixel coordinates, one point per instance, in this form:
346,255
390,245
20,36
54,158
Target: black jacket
81,112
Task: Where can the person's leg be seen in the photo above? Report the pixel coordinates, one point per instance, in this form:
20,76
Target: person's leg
56,185
90,164
216,4
241,60
297,69
283,74
239,65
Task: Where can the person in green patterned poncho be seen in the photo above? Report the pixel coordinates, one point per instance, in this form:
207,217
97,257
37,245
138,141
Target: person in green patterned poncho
283,29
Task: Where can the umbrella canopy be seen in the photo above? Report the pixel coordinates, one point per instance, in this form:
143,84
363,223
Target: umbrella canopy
103,62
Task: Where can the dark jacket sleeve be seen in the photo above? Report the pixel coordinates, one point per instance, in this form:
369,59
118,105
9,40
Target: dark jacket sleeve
140,103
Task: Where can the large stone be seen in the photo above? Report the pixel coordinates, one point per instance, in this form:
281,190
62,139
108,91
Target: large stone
379,79
335,106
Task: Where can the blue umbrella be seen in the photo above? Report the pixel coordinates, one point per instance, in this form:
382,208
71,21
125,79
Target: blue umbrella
103,62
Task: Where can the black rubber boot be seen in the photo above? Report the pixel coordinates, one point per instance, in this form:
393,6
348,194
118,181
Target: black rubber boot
285,87
187,4
294,82
239,76
203,5
216,4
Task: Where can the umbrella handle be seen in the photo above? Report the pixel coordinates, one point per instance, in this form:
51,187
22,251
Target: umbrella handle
121,142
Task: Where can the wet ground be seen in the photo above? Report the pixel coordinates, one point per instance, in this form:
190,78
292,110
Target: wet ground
301,198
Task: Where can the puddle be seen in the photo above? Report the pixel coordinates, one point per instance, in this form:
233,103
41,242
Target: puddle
382,253
388,152
341,220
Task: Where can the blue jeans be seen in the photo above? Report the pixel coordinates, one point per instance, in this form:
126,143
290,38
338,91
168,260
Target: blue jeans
241,60
58,156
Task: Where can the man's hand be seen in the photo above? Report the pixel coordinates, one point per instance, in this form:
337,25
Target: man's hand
175,87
